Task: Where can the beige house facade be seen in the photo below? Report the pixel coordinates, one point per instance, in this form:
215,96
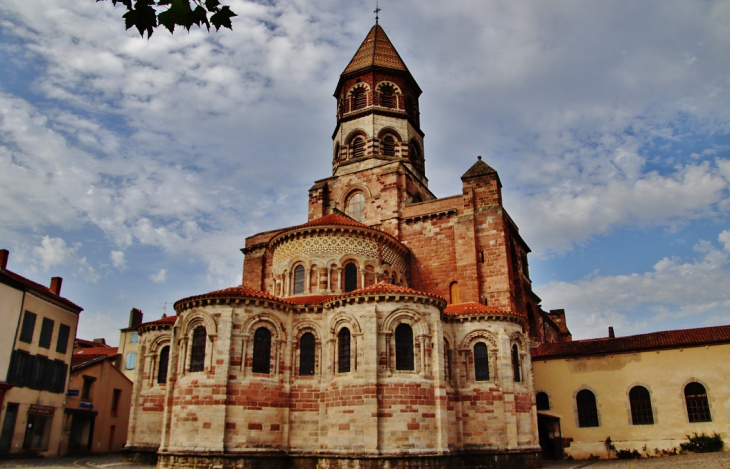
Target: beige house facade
645,392
36,347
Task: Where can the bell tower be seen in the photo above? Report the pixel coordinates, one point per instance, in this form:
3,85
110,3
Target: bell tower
377,111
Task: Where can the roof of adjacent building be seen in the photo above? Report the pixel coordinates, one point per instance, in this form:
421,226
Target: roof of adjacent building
86,356
164,320
39,289
376,50
635,343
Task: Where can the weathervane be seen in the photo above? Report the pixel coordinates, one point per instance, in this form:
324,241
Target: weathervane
377,10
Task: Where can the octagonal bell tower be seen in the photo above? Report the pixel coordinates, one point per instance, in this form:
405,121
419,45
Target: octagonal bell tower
377,111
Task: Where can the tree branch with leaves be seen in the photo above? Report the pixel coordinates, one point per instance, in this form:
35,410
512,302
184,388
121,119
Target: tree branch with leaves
145,15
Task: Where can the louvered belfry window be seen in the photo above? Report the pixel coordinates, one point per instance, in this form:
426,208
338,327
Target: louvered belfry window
640,400
481,362
698,408
359,99
389,145
404,348
358,147
197,354
386,96
307,346
343,350
261,351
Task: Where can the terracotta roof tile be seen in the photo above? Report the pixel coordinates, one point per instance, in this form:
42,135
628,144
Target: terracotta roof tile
166,320
472,307
333,219
310,299
380,288
104,350
480,168
232,292
38,288
376,50
654,340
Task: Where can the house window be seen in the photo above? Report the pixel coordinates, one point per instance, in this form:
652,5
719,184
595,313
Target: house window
131,361
358,147
389,145
62,342
134,338
454,293
481,362
698,408
46,333
21,369
38,430
306,354
163,365
350,277
298,279
40,372
26,333
87,387
587,410
386,96
542,401
641,413
261,351
343,350
197,353
356,206
404,348
116,395
359,99
516,364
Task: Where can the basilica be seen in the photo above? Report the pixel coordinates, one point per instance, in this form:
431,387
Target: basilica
392,328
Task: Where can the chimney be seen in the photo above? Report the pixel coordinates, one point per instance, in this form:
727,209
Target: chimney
56,285
611,335
4,254
100,341
135,317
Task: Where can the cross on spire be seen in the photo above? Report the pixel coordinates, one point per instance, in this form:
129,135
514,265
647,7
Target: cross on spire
377,11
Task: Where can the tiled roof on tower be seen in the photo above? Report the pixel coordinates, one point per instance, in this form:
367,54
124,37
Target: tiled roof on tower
480,168
376,50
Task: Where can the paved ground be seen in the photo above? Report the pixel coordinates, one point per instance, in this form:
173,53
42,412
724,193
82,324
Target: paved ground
115,461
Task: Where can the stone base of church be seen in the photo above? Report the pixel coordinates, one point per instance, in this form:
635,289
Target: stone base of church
464,460
141,454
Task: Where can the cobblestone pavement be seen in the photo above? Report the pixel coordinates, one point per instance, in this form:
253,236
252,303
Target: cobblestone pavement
116,461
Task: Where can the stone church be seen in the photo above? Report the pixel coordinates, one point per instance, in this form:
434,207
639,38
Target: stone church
391,329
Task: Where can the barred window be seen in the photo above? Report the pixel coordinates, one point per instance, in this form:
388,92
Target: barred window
587,410
389,145
698,408
404,348
359,99
343,350
516,372
358,147
306,354
163,365
350,277
542,401
481,362
197,355
261,351
299,279
641,413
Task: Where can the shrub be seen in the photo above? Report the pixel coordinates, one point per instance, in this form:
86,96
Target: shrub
627,454
703,443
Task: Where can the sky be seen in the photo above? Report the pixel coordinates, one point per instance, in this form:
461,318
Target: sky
136,168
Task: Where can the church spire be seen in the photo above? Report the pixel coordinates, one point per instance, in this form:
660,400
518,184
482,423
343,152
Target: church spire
376,51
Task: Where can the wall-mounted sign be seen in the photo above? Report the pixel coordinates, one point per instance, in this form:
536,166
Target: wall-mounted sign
41,410
86,405
72,392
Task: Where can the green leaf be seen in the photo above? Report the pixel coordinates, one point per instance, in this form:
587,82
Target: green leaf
177,14
223,18
200,17
143,17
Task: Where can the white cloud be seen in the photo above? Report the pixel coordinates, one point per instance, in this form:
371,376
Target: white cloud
118,260
159,277
54,252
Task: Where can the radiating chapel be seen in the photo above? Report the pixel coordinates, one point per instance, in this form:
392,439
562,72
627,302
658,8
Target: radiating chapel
391,329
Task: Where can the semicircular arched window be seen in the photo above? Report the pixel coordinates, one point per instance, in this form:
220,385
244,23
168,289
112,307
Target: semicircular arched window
698,408
163,365
261,351
343,350
389,145
307,346
298,279
481,362
350,277
516,364
587,411
404,348
640,400
358,147
542,401
197,352
356,206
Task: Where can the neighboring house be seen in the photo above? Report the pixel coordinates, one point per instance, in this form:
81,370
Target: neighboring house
36,345
129,344
99,397
646,392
